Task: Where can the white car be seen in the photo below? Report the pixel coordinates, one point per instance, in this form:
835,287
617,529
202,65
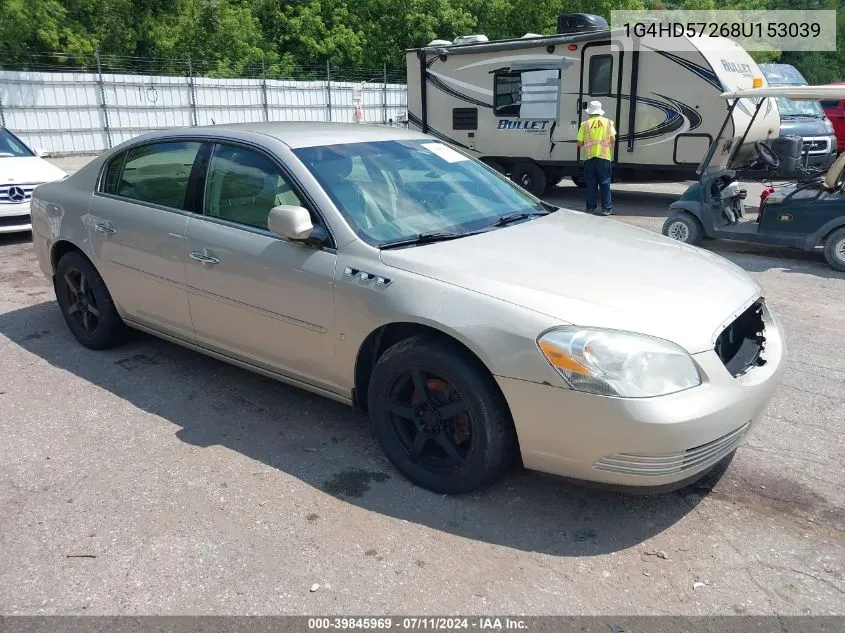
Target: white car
21,170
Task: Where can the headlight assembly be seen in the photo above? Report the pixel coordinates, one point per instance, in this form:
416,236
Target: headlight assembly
611,363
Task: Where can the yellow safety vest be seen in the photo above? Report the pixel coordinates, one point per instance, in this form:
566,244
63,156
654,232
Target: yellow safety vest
595,133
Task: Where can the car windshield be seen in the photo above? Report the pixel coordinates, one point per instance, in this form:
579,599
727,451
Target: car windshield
11,146
390,191
789,107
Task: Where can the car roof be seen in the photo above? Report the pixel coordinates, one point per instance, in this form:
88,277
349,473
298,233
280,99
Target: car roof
302,133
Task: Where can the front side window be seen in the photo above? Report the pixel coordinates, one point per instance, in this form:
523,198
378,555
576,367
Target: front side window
11,146
158,173
243,185
395,190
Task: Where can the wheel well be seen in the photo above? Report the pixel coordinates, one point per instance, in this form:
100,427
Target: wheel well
59,250
379,341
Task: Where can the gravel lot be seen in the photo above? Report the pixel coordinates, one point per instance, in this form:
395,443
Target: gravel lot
149,479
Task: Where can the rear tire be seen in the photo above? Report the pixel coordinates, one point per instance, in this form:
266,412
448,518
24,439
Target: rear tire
439,416
834,249
683,227
530,176
86,304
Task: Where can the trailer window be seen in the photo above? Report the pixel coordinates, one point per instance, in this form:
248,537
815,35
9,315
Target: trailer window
601,72
508,93
527,94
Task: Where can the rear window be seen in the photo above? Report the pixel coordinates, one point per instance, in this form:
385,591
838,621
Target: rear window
158,173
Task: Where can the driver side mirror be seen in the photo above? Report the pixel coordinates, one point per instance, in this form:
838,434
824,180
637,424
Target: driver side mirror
39,152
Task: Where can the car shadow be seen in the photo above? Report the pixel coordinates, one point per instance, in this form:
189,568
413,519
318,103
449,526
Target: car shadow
13,239
328,446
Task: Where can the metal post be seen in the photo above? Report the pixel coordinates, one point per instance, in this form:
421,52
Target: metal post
2,115
264,92
384,97
103,103
194,121
329,88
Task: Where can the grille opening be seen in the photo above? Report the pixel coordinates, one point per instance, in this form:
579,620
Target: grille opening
741,344
14,220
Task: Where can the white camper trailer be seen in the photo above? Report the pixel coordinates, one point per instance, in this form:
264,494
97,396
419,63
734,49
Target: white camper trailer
517,104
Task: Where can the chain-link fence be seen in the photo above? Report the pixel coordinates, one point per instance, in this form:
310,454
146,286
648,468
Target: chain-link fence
66,105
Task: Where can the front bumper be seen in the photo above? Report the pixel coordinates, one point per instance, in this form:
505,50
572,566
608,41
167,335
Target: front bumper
648,442
15,218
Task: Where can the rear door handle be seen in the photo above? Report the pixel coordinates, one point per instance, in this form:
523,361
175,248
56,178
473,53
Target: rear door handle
105,228
205,259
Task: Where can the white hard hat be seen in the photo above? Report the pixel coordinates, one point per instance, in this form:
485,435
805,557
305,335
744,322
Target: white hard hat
594,107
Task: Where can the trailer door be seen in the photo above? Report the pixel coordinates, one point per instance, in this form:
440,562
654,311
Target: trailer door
602,76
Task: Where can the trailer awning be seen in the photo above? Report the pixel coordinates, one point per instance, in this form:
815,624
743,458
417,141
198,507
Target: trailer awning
830,92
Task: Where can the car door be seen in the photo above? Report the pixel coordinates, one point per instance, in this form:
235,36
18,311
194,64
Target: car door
137,227
255,295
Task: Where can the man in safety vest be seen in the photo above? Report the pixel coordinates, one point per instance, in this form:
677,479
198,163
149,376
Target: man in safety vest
595,138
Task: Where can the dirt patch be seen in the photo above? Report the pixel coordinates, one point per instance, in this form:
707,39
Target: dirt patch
353,482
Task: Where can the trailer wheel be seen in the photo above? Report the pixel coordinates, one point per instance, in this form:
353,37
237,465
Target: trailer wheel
553,176
683,227
530,176
497,166
834,249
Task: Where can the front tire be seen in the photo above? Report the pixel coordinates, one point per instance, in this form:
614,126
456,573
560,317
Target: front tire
439,416
834,249
683,227
86,304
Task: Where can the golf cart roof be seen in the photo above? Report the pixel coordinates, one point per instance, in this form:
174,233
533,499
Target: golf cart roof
830,92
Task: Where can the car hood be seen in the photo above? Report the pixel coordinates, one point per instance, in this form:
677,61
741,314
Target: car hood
28,170
593,271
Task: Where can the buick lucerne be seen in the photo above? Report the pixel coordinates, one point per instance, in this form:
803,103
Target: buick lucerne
473,322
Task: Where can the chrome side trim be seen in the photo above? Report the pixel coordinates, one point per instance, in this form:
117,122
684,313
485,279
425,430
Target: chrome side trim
275,315
143,273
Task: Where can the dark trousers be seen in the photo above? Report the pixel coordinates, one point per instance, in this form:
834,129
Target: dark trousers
597,174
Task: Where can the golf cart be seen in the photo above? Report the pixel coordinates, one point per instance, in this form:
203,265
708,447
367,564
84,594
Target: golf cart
805,211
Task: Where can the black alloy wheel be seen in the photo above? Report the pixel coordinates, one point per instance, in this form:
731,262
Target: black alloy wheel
431,420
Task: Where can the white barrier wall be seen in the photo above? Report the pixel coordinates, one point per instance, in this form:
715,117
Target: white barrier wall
69,113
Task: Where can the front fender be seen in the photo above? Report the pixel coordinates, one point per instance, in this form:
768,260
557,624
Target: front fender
691,206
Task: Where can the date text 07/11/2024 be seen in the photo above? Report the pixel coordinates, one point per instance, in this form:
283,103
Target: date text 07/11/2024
417,623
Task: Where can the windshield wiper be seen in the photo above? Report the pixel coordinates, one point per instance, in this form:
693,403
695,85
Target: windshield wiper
422,238
510,218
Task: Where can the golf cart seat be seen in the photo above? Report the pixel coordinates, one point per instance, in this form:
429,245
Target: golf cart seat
834,178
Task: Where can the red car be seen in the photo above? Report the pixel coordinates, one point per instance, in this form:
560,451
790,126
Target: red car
835,111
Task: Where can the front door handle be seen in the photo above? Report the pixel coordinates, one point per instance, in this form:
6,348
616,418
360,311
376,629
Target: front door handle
205,259
105,228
